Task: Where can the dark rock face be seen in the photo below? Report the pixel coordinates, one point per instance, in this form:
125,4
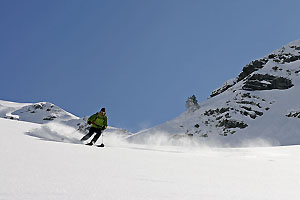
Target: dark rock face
267,82
232,124
284,58
216,111
252,67
294,113
49,118
220,90
247,70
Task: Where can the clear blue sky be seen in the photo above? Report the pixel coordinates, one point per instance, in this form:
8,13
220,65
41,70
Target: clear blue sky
139,59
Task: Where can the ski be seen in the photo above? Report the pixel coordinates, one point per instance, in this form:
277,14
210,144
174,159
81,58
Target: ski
99,145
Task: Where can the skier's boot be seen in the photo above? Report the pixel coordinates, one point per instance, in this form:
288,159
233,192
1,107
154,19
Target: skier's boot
90,143
101,145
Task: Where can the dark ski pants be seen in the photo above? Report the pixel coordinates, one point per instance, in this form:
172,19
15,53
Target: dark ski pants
93,130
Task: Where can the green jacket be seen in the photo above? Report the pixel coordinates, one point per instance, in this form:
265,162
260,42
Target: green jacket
99,121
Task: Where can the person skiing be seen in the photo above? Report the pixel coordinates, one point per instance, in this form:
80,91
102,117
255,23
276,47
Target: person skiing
98,123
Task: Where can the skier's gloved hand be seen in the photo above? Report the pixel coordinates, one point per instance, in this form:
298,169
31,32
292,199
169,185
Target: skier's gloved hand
89,122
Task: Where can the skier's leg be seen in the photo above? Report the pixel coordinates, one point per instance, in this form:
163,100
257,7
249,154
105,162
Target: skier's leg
87,136
96,137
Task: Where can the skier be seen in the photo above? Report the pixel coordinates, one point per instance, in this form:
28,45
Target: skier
98,123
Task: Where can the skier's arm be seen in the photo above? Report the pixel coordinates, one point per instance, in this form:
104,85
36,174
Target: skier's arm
91,119
105,122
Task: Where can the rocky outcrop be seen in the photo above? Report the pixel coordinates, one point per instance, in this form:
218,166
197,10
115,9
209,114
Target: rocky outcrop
228,84
267,82
294,114
229,123
285,55
222,89
252,67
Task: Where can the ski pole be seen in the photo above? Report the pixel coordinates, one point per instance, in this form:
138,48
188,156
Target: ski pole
102,145
75,131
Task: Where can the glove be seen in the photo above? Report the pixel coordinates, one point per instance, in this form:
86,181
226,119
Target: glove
89,122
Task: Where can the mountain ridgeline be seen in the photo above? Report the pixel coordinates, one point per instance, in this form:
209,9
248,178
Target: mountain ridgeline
261,102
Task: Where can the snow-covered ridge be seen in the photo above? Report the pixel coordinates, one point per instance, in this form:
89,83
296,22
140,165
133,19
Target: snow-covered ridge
41,112
261,103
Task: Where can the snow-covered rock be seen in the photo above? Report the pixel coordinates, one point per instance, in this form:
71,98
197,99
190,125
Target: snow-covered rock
41,113
261,103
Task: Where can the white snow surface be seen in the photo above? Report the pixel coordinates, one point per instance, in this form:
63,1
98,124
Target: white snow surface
32,168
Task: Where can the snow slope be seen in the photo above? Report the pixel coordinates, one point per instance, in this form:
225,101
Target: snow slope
261,105
37,169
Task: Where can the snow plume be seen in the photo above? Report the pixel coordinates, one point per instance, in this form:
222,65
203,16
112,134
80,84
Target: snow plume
183,142
163,141
59,132
157,141
56,132
259,142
